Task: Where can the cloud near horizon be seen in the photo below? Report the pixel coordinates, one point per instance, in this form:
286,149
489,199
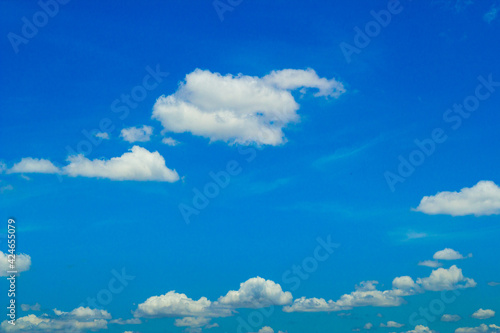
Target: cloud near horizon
481,199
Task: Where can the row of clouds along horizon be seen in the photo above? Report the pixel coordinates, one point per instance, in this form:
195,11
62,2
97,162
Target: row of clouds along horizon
258,293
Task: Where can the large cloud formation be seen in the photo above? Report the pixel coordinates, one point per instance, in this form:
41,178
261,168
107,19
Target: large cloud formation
239,108
481,199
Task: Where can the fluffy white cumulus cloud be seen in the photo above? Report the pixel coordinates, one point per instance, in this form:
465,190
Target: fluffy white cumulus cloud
365,294
138,164
84,313
480,329
483,314
448,254
481,199
449,317
173,304
446,279
368,326
23,263
391,323
239,108
137,134
33,165
78,320
256,293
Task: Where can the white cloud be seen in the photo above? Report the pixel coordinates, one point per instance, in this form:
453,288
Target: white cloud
22,263
491,14
481,199
102,135
173,304
480,329
27,307
139,164
366,293
420,329
170,141
239,109
449,317
493,284
132,321
78,320
446,279
256,293
483,314
3,167
33,165
193,322
368,326
84,313
6,188
448,254
430,263
137,134
391,323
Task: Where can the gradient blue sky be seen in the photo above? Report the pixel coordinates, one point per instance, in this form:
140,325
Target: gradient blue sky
328,178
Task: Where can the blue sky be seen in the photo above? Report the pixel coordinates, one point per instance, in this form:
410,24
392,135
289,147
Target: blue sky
246,166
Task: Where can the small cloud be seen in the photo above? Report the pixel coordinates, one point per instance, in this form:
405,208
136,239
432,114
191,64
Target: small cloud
138,164
170,142
415,235
449,254
483,314
137,134
493,284
491,14
368,326
102,135
22,264
430,263
6,188
449,317
3,167
27,307
34,165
